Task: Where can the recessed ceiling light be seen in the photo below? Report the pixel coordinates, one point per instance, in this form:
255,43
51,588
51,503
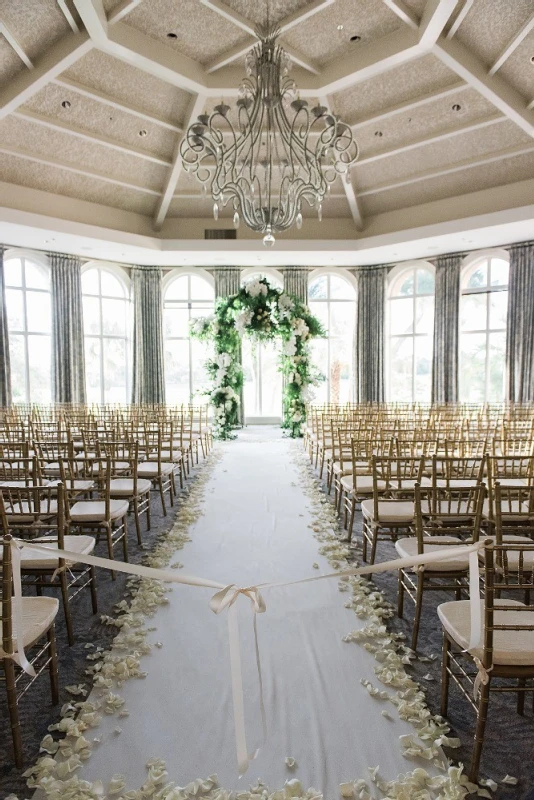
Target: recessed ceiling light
172,35
378,133
457,107
66,104
340,27
532,59
355,38
142,132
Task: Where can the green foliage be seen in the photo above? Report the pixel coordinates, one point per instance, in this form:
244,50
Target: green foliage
263,313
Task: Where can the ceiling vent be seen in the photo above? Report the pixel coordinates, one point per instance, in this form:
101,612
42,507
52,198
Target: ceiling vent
220,233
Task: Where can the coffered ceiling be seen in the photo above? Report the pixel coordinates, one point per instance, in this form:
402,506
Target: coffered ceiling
95,96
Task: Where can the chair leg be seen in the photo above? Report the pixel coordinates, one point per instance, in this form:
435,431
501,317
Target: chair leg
351,518
482,715
445,677
418,609
162,495
521,683
148,521
66,607
110,551
54,684
125,539
374,544
9,672
137,522
400,595
92,589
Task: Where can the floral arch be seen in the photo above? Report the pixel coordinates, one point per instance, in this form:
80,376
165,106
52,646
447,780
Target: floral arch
265,313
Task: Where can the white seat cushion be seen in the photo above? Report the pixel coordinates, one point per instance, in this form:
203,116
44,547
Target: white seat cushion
510,508
364,484
95,510
457,483
166,455
150,469
408,547
124,487
31,559
513,555
513,648
52,469
38,614
392,511
408,484
24,512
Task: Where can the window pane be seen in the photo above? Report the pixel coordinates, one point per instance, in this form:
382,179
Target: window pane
178,289
473,312
341,370
479,277
319,356
317,289
423,369
18,381
13,272
38,311
401,368
342,319
497,350
90,282
92,370
271,380
473,367
15,309
199,356
498,309
177,322
320,310
425,282
340,289
251,377
177,371
424,314
114,317
91,315
401,316
39,360
36,276
114,370
499,272
406,287
201,289
111,285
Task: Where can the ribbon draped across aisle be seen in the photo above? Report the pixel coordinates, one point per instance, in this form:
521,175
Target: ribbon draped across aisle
225,599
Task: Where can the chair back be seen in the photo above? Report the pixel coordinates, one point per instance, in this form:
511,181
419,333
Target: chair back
440,511
7,591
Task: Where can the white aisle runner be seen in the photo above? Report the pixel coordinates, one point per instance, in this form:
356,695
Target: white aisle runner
255,528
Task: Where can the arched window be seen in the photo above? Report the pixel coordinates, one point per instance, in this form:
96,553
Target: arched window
332,298
410,326
107,338
262,382
29,322
483,312
186,296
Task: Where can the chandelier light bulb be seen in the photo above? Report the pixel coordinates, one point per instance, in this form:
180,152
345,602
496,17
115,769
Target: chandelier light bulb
269,240
236,220
320,212
215,211
299,220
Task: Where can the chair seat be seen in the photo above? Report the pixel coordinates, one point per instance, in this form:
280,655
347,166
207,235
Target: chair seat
408,484
510,509
392,511
38,614
124,487
166,455
457,483
24,512
52,469
31,559
95,510
20,484
513,555
364,484
407,547
510,648
151,470
511,482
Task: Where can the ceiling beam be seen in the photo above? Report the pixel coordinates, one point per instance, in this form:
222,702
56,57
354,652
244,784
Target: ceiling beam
403,12
303,14
509,102
196,107
434,20
87,136
230,55
16,45
55,61
122,10
65,6
93,16
461,166
230,15
458,17
408,105
513,44
119,105
68,167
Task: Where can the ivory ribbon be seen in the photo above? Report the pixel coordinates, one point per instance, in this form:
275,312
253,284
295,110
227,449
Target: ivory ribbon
225,599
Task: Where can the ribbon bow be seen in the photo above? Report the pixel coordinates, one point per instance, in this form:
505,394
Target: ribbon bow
227,597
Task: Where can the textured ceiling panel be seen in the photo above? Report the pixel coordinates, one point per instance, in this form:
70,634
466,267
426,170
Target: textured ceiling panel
10,63
40,176
36,24
114,77
469,180
319,38
92,116
201,33
442,154
29,137
256,10
518,70
425,121
183,207
417,6
491,24
407,82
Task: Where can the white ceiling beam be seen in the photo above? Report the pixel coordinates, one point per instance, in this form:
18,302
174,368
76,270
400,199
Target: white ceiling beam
87,136
403,12
230,55
461,166
434,20
509,102
513,44
55,61
67,13
459,16
424,141
119,105
124,8
303,14
408,105
196,107
93,16
16,45
230,15
298,58
67,167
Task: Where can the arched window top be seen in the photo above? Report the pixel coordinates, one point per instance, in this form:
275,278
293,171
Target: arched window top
327,284
181,285
416,278
273,276
105,280
26,269
485,272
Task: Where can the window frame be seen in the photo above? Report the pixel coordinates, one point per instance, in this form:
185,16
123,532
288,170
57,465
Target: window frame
394,276
41,261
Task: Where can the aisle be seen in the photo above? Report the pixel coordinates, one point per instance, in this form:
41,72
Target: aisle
255,528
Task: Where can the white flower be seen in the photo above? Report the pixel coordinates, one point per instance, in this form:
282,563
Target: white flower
290,347
243,319
300,328
284,301
290,763
255,288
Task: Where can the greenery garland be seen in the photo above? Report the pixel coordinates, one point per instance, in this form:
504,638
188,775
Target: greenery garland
263,313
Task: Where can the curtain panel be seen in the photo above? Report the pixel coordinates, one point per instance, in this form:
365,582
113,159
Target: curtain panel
68,359
296,282
369,342
5,363
520,325
148,380
446,329
227,281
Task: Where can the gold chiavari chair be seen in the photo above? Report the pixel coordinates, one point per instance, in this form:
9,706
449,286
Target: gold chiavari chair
154,467
125,484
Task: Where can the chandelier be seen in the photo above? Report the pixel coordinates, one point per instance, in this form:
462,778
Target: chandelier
271,153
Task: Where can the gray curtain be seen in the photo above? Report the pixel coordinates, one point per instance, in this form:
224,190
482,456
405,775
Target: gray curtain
148,383
68,360
446,324
5,363
296,282
369,342
520,325
227,281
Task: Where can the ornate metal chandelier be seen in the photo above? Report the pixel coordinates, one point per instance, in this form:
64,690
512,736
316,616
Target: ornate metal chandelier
272,152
